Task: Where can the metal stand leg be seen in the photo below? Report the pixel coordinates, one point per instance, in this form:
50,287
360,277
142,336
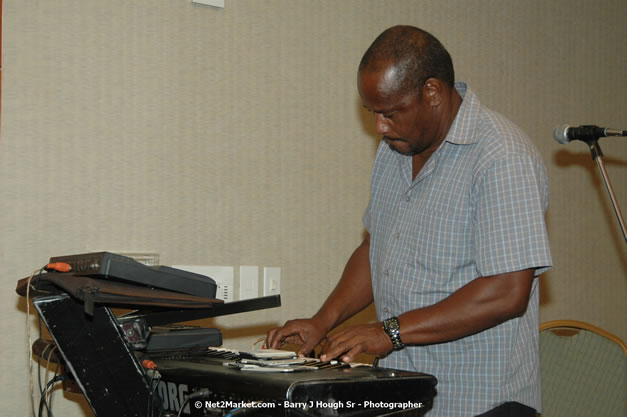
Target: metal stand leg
597,155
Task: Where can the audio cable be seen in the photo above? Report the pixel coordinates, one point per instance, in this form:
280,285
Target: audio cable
36,275
203,393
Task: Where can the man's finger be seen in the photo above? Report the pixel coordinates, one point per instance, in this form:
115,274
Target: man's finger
274,339
307,347
351,354
334,349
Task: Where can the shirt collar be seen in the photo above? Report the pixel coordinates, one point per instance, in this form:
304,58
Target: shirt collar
463,130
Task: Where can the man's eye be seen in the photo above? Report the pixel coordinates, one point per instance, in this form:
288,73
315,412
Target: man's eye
388,116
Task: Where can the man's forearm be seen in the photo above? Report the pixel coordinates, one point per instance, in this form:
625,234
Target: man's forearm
481,304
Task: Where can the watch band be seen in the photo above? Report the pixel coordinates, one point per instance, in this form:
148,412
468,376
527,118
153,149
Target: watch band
393,330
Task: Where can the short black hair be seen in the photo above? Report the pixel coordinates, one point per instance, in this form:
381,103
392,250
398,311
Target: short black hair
416,54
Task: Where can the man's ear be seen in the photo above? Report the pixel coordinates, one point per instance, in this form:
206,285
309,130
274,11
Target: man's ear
432,91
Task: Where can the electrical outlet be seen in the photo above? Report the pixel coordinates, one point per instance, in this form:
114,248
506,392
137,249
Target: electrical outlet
271,280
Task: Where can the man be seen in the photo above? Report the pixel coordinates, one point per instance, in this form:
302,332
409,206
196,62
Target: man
456,238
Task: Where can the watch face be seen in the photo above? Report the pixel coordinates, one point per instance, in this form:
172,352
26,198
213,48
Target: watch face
391,324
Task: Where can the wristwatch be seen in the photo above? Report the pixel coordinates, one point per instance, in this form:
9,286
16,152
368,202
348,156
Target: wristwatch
393,330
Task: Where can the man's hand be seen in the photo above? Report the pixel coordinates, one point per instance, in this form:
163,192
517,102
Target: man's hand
352,294
350,342
305,332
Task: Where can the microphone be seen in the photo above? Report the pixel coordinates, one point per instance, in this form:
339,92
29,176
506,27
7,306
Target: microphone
564,133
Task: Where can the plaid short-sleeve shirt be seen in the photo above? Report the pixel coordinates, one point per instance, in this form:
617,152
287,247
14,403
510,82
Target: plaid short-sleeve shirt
475,209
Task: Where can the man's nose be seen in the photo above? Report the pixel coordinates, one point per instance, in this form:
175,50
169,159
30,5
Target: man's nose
380,124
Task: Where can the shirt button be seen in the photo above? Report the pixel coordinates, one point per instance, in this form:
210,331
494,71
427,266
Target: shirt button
397,235
408,198
387,310
386,272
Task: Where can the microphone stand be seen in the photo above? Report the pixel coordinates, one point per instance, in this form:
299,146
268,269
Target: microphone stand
597,155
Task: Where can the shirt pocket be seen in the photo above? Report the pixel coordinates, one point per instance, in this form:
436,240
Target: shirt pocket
441,240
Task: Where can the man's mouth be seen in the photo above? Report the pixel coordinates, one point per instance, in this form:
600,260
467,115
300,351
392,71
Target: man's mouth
391,140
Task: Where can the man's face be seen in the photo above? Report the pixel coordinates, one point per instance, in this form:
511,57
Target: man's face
404,119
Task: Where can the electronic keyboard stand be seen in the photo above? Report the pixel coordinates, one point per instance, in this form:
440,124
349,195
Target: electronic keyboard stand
93,348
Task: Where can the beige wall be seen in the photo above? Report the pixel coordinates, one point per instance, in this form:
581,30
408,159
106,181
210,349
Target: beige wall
236,137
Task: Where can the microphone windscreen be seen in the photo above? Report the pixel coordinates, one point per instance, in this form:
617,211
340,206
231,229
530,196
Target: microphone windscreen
561,134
